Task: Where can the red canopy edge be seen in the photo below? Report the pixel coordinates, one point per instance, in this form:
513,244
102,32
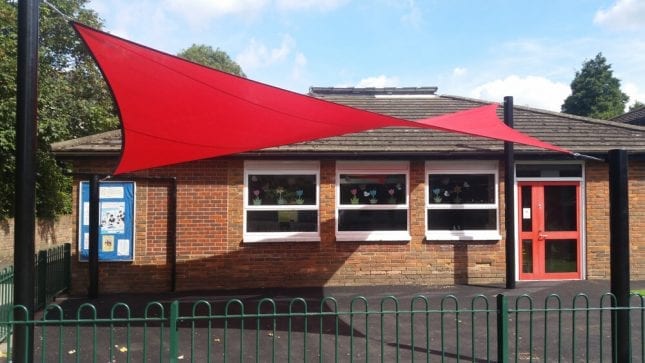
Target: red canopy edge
173,110
483,121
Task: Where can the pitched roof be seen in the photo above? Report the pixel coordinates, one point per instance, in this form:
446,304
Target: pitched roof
105,143
579,134
634,117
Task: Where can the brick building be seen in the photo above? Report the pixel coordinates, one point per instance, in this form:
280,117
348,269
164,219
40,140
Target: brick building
385,206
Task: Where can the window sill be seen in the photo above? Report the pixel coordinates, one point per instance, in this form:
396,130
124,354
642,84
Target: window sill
463,236
281,237
402,236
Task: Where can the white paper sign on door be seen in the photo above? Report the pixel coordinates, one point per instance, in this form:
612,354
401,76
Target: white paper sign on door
526,213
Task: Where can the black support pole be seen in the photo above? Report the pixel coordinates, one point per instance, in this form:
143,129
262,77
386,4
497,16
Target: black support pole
25,184
93,260
509,196
172,232
619,252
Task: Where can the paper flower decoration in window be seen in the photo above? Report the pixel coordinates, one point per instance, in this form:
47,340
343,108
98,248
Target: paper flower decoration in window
373,199
354,198
299,199
391,199
437,195
280,199
257,200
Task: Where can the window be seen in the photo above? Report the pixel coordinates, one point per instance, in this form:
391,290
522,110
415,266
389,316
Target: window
281,201
461,200
561,170
372,201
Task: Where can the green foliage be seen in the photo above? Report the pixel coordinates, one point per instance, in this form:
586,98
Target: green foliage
8,69
73,100
595,92
214,58
637,105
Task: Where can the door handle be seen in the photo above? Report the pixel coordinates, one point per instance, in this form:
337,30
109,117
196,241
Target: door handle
541,235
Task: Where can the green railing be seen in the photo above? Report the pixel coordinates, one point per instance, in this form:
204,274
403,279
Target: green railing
52,271
6,299
388,329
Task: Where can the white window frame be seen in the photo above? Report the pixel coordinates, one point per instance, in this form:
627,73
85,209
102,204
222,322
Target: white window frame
280,168
462,167
373,167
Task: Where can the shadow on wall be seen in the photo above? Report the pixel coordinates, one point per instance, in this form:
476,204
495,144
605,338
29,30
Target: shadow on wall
4,226
49,233
226,263
261,265
287,265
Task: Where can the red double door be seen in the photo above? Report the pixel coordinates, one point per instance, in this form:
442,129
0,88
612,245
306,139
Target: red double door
549,230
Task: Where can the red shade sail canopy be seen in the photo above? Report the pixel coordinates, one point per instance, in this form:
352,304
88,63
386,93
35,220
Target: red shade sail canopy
173,110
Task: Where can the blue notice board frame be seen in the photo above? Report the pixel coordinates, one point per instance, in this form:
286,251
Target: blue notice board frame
116,221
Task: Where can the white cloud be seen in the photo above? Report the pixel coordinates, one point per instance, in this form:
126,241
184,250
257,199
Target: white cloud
378,81
538,92
459,71
257,55
623,15
634,93
323,5
199,11
125,20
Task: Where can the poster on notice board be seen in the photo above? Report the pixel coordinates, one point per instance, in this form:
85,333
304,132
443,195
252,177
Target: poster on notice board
116,221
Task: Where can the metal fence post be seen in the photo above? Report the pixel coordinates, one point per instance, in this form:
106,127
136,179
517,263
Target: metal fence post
67,265
502,328
174,334
41,268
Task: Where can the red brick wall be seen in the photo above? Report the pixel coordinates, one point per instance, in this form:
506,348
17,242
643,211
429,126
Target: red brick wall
211,254
597,220
637,219
49,233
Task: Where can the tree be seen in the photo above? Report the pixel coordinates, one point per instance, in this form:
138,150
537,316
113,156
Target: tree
595,92
637,105
73,100
214,58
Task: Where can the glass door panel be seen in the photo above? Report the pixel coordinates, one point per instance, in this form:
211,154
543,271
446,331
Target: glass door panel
561,255
527,256
560,208
527,219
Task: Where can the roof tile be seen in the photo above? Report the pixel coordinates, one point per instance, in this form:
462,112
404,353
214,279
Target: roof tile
579,134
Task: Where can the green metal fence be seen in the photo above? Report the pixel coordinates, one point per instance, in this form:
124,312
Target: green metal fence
53,273
387,329
6,299
52,277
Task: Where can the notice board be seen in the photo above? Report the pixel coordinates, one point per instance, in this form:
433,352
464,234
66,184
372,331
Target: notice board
116,221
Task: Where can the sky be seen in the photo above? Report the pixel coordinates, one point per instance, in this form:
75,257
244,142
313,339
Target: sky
484,49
